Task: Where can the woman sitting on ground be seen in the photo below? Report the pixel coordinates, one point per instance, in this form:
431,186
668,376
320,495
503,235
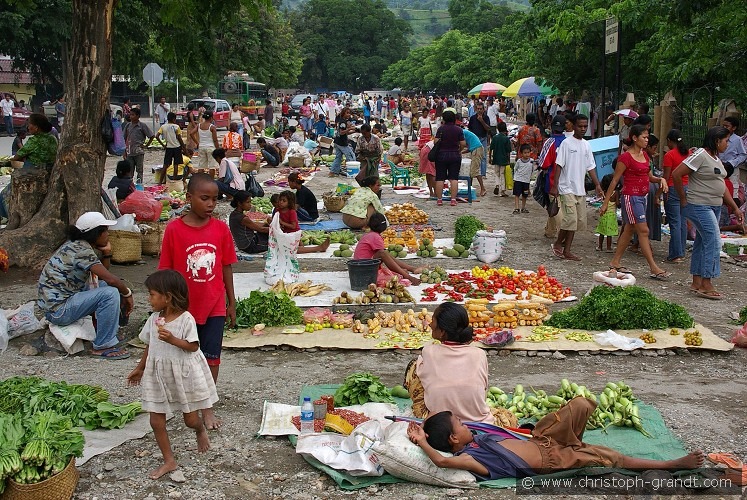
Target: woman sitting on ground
232,141
229,179
556,444
66,293
430,378
372,246
306,203
363,204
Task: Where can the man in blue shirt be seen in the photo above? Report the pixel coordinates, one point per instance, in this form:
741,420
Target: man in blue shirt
478,167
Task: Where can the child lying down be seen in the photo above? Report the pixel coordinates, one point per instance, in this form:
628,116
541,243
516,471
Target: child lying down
556,444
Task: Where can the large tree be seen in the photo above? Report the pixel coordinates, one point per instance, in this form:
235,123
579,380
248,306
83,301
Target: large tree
348,43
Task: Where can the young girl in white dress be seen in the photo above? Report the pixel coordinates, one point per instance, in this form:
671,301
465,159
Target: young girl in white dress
173,372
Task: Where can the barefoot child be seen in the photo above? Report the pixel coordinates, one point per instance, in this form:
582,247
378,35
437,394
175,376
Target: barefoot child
201,248
556,444
173,349
607,225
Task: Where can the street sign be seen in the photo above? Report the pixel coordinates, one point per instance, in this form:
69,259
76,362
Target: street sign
610,36
152,74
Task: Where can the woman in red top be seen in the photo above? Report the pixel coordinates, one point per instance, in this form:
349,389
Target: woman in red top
633,168
677,153
372,246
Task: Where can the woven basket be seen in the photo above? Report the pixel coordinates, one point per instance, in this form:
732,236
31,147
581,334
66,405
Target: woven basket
58,487
296,162
249,166
334,203
152,236
127,246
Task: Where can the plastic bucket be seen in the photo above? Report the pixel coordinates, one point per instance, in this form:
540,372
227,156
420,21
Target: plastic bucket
465,167
363,272
250,157
353,168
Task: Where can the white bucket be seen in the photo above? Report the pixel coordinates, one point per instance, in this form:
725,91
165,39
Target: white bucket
465,167
353,168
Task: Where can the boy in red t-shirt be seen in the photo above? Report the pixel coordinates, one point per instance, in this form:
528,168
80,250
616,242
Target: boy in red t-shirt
201,248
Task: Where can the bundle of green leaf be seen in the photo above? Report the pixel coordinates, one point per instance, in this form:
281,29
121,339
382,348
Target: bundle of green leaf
85,405
465,229
617,308
360,388
270,308
743,316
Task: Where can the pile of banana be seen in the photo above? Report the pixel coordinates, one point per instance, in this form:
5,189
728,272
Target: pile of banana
305,289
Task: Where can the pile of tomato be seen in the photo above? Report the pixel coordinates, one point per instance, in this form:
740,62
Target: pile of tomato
458,286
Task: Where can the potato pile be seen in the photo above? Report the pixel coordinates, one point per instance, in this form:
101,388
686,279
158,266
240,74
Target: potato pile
402,322
510,314
406,213
479,315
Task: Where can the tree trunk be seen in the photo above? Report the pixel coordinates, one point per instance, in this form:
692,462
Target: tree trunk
28,188
75,181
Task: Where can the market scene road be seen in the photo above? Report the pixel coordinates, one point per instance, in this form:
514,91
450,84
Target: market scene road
372,283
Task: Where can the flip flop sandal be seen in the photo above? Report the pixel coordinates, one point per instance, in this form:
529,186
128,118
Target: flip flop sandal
662,276
728,459
113,353
557,253
621,270
709,294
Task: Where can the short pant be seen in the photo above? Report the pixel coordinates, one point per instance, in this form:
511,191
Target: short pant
633,209
572,212
521,189
476,167
448,169
211,338
173,156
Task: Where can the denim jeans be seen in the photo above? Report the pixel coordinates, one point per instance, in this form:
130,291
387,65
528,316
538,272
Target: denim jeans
677,224
9,124
303,215
104,301
705,261
225,188
269,158
339,152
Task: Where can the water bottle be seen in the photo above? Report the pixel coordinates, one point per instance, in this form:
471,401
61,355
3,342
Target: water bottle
307,417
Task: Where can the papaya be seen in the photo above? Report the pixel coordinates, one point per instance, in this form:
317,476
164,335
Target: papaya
344,247
346,253
459,248
433,253
402,254
464,254
337,253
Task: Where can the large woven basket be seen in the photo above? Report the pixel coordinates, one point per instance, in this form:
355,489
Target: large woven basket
296,162
127,246
58,487
334,203
152,236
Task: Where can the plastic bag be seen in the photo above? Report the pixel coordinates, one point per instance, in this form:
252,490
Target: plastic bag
353,454
253,187
739,339
69,335
117,146
488,245
142,206
280,261
22,320
342,319
3,331
126,223
621,342
318,315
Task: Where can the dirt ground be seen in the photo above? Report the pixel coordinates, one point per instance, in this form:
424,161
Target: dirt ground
700,394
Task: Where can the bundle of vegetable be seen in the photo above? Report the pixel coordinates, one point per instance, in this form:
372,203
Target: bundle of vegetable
304,289
406,213
50,442
262,205
345,236
113,416
270,308
619,308
465,229
360,388
313,237
11,438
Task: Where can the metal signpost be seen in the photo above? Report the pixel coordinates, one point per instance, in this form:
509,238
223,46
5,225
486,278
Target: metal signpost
152,75
611,46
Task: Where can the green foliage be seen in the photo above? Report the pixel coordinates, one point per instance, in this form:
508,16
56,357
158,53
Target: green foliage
465,228
617,308
360,388
348,42
270,308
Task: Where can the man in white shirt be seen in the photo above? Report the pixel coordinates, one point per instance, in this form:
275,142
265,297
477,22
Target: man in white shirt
7,107
162,111
320,108
574,160
493,110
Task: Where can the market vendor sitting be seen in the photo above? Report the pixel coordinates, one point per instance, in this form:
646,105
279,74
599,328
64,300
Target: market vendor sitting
76,282
430,378
269,152
556,444
250,236
363,204
306,202
372,246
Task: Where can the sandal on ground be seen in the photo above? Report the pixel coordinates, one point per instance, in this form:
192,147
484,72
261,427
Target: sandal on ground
516,212
621,269
524,211
709,294
676,260
557,253
728,459
112,353
662,276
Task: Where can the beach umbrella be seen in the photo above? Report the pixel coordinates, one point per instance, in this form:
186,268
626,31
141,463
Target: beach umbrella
628,113
528,87
486,89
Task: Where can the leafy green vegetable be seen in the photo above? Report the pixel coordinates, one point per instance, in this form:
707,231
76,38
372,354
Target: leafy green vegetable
743,316
270,308
360,388
465,228
115,416
628,308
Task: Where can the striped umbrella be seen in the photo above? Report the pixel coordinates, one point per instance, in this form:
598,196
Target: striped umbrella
528,87
486,89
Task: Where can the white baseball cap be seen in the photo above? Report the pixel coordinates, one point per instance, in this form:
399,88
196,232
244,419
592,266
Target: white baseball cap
92,220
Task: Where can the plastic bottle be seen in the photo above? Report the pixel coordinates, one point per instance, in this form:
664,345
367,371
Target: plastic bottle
307,417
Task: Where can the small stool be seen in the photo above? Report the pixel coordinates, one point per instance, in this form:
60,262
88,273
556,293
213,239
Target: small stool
469,186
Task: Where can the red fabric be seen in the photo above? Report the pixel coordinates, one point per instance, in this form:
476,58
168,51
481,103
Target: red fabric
729,188
673,159
635,178
290,217
368,245
199,254
533,137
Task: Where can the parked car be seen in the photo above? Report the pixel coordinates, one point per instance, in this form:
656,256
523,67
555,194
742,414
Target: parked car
220,108
51,113
295,105
19,114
